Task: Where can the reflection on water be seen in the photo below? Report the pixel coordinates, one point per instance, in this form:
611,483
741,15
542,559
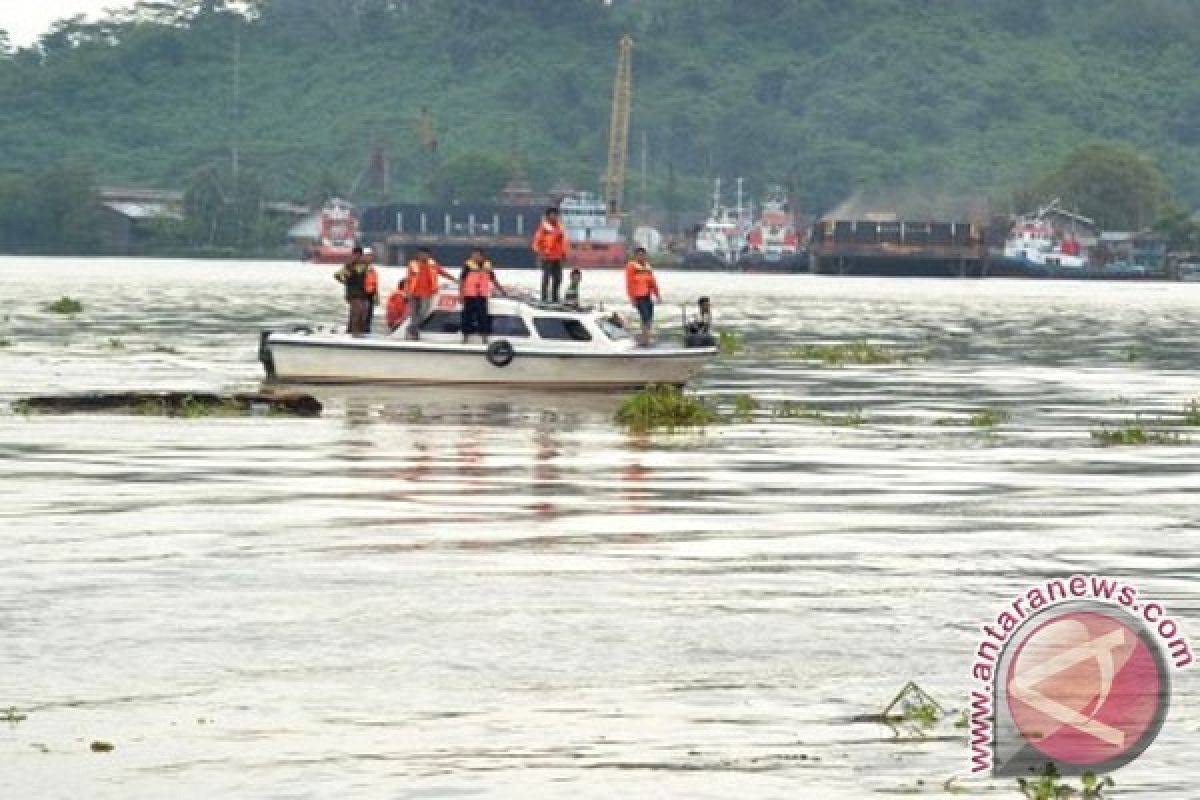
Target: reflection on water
433,593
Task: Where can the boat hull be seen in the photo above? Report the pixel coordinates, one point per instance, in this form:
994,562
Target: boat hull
337,358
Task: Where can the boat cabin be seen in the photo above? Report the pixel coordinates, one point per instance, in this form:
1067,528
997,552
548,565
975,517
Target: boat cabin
526,322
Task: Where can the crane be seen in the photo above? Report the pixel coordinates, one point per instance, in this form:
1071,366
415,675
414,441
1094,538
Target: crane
618,131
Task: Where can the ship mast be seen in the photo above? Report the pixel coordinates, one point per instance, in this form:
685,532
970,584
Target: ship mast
618,133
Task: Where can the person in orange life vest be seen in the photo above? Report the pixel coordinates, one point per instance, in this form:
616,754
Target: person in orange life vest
354,277
371,283
420,286
477,281
550,245
397,307
642,289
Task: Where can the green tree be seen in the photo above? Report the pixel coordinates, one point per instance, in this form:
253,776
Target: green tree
1111,183
472,177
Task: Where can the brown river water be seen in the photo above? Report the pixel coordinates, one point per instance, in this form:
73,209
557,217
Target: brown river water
443,594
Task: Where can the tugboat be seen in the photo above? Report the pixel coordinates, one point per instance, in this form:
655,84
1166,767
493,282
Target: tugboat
721,240
772,242
1034,242
594,237
338,233
532,345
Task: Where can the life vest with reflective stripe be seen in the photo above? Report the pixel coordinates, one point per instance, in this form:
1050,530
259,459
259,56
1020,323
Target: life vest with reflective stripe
479,279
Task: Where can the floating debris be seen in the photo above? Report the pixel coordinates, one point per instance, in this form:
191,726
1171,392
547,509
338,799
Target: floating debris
913,704
101,746
12,716
172,404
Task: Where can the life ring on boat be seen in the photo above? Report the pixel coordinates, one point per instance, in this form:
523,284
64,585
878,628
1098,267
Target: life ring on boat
500,353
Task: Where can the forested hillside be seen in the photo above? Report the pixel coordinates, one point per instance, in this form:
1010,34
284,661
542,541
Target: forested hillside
829,96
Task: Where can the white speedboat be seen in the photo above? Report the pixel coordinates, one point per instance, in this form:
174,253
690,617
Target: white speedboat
531,345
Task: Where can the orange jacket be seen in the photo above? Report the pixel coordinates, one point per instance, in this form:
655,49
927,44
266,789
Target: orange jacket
371,282
397,309
422,280
550,241
640,281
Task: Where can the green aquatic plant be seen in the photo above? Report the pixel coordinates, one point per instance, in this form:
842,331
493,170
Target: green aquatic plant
101,746
840,354
988,418
1135,434
913,705
744,406
663,408
1049,785
165,349
65,305
116,344
5,341
792,410
1191,412
12,716
730,343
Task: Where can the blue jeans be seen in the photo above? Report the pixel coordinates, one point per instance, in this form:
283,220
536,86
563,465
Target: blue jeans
645,309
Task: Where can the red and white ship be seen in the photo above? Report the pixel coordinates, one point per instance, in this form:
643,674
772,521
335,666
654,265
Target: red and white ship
773,236
338,233
594,236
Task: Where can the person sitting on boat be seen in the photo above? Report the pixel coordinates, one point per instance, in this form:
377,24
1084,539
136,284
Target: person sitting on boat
397,307
642,289
550,245
420,286
571,298
477,282
701,324
354,277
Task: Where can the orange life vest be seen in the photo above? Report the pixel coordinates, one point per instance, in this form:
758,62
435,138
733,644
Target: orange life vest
550,241
397,308
640,280
422,278
371,282
479,279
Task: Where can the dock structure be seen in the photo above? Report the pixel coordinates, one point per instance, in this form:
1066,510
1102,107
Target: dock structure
894,247
451,231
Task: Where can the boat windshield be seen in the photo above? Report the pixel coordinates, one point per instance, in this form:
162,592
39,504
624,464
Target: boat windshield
611,329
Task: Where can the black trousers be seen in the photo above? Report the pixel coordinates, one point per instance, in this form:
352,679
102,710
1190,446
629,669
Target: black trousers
475,317
551,281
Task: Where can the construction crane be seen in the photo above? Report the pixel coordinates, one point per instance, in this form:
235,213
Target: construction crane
618,131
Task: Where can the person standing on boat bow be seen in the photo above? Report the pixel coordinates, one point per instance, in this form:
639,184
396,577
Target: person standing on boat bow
354,276
420,286
550,245
642,288
477,281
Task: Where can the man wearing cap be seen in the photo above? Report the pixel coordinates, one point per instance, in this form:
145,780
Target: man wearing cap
354,277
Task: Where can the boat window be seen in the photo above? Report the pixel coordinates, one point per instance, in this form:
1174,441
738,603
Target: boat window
612,330
508,325
442,322
571,330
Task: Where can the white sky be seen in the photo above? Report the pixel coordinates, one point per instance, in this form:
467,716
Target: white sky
26,20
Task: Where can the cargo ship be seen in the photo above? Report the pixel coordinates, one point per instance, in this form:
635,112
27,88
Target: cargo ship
338,234
594,236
